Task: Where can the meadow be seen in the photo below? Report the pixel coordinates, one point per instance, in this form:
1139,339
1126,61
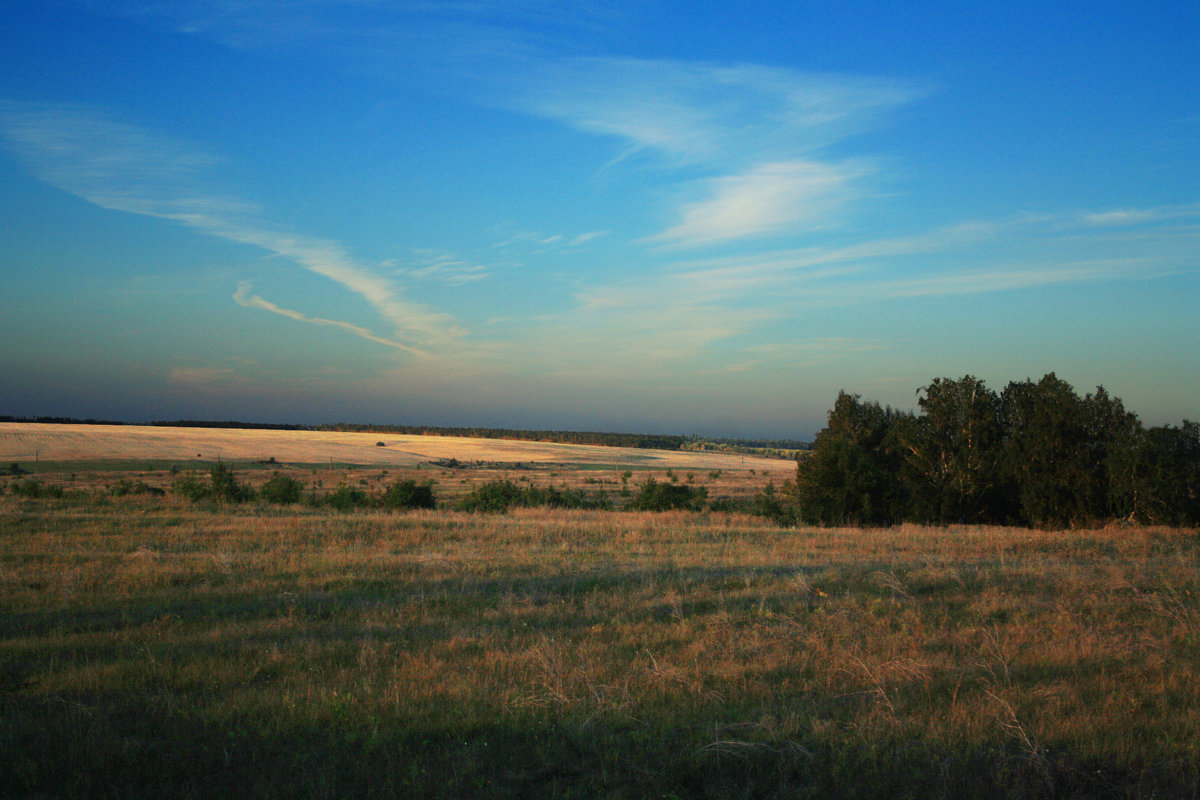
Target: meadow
153,647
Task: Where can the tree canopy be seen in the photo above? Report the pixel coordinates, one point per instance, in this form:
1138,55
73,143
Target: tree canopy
1035,454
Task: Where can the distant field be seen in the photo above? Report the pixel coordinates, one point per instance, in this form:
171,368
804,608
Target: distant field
24,442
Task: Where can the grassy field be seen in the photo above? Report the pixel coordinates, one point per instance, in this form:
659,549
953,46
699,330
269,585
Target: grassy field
151,648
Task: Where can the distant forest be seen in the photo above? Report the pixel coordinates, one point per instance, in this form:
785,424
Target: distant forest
1035,454
764,447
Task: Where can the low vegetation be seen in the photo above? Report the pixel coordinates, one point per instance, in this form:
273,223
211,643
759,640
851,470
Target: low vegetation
154,647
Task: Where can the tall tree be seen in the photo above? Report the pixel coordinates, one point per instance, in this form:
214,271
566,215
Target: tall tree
1109,430
952,452
1155,477
851,474
1046,452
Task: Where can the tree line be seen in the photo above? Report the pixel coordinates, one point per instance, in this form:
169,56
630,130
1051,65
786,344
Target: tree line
1035,454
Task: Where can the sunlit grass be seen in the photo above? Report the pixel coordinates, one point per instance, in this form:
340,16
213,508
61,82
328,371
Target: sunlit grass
155,649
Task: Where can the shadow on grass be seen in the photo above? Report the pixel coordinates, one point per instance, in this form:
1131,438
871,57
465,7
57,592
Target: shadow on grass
185,741
118,747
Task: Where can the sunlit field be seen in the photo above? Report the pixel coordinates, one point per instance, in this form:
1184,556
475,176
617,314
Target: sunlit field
152,647
37,442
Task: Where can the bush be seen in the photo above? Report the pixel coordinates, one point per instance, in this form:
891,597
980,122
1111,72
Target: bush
222,486
33,489
500,496
655,496
408,494
493,497
126,486
769,503
346,497
559,498
191,488
281,489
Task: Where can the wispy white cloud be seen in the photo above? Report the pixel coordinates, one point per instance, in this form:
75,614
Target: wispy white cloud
445,267
778,285
784,197
759,132
244,298
696,112
1001,279
1138,216
127,168
747,127
584,238
547,242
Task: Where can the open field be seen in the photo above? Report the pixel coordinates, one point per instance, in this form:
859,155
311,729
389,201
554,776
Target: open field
150,648
23,442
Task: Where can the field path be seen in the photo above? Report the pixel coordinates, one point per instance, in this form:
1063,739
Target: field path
27,441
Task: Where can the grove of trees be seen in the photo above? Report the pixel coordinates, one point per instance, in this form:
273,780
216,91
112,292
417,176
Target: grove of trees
1035,454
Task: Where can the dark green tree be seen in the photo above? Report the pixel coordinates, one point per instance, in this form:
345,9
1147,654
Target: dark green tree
952,452
1048,457
851,475
1155,476
1109,430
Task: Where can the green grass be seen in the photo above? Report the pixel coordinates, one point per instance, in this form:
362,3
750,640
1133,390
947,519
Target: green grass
151,649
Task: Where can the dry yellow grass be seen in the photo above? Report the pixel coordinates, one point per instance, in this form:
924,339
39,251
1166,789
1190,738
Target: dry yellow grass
153,649
52,442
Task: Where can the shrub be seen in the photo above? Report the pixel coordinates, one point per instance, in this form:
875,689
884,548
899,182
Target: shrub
33,489
126,486
491,497
224,486
655,496
770,504
408,494
727,505
191,488
346,497
559,498
281,489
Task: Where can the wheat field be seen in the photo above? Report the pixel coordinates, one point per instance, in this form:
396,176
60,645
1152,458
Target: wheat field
20,442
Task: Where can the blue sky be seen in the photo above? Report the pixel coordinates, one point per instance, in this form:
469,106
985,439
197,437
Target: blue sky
671,217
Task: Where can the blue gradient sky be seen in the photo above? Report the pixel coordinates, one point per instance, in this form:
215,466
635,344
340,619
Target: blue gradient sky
658,216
